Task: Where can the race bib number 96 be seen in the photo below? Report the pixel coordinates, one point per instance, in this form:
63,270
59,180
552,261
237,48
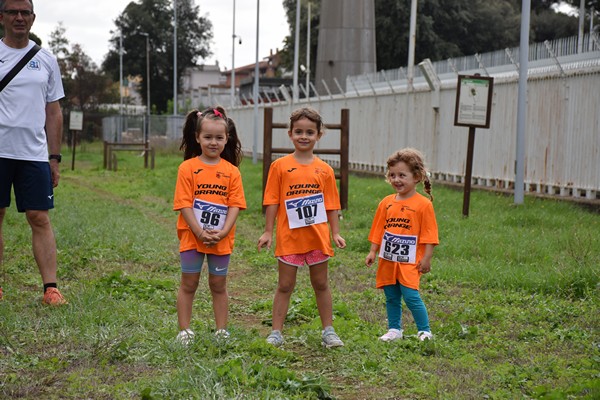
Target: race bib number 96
305,211
398,248
210,215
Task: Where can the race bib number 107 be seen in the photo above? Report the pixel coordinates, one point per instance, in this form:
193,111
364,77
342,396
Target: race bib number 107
398,248
210,215
305,211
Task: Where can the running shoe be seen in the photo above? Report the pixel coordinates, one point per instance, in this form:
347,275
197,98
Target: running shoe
424,335
330,338
275,338
222,334
185,337
53,297
391,335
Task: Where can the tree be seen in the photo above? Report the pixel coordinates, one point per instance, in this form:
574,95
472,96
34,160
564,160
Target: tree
85,85
445,28
155,17
287,54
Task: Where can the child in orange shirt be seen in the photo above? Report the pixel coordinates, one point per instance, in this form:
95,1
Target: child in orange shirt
404,231
301,194
209,196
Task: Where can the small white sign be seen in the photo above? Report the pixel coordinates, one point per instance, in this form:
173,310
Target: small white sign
473,101
76,121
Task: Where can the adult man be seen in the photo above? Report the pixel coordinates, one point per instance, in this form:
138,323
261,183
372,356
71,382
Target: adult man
30,137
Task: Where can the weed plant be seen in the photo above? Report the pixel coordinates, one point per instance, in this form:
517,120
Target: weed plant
512,298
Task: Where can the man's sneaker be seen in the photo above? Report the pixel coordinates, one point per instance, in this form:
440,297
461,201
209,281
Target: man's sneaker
330,339
185,337
424,335
53,297
391,335
222,334
275,338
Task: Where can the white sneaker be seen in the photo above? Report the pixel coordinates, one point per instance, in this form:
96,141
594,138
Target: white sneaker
222,334
275,338
424,335
391,335
330,339
185,337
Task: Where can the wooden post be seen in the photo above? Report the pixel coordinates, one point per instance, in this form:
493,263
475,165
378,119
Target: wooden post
468,172
267,145
73,146
344,157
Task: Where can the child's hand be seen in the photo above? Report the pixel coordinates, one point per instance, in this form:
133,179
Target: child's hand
209,237
370,259
339,241
424,266
265,240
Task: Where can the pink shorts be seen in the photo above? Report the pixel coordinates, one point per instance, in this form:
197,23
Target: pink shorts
311,258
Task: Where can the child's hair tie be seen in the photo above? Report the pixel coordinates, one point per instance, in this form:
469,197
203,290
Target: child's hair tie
199,114
218,113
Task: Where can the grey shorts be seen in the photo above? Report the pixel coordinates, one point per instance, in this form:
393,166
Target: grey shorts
192,260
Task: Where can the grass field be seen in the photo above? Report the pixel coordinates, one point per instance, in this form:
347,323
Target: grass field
513,299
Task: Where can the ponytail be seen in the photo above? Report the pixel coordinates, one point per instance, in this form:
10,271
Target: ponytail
190,146
193,124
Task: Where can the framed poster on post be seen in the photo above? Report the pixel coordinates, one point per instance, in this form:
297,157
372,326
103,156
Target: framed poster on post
473,101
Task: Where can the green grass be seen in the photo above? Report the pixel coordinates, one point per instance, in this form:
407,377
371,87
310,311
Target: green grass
512,297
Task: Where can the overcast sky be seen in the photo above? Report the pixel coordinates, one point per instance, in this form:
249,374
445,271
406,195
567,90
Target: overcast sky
89,23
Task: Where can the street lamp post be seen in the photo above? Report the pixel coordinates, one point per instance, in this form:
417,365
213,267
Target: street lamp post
120,83
148,103
233,60
175,82
308,53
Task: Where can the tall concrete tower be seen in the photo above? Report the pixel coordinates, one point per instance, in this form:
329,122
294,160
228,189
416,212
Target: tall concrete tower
346,41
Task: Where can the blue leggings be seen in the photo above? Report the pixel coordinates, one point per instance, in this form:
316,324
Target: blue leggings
412,298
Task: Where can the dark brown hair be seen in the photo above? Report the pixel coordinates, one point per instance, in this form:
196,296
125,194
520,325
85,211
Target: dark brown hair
310,114
193,125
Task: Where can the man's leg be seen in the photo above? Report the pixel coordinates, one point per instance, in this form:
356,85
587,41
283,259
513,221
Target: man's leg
2,213
43,243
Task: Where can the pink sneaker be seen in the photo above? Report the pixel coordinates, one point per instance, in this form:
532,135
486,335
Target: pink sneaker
391,335
0,292
424,335
53,297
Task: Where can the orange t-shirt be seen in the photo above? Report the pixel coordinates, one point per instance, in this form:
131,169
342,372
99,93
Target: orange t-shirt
219,184
409,225
302,223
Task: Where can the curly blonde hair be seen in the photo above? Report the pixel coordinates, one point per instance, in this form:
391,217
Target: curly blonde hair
414,159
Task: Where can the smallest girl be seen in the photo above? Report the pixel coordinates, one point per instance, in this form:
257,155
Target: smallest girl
209,196
403,235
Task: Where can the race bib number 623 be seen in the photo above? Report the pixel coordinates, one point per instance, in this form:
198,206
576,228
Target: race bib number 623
398,248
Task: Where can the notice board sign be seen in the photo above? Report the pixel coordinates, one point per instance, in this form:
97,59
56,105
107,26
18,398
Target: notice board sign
76,120
473,101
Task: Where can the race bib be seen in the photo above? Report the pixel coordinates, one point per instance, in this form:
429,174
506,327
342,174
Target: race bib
398,248
210,215
305,211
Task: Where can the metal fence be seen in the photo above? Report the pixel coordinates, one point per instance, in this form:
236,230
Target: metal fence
562,155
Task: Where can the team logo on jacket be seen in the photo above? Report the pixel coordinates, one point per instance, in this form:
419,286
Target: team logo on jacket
34,65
